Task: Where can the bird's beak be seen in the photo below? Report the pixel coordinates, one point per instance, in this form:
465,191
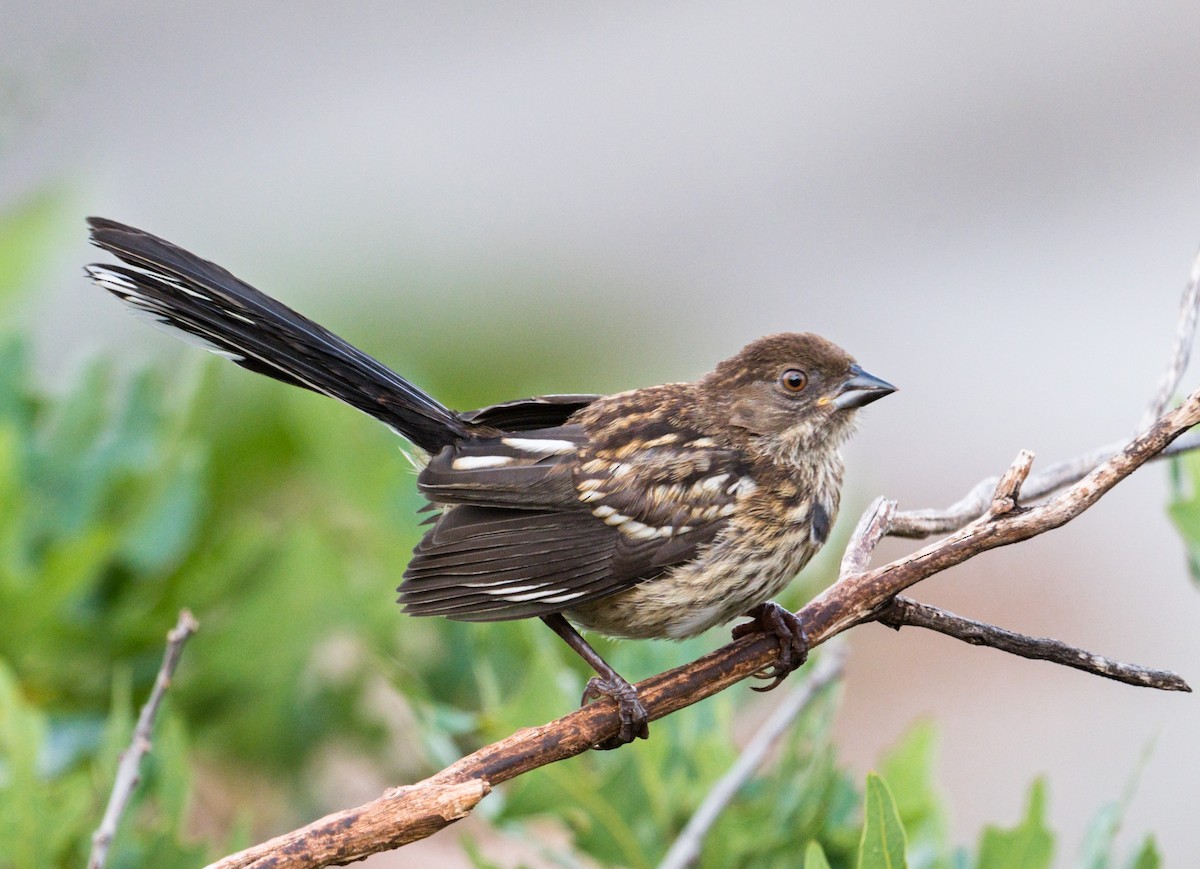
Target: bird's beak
859,389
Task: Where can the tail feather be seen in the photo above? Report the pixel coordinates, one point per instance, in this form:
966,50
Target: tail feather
207,305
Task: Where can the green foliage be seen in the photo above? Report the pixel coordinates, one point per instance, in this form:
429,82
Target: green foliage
1100,840
1029,844
1184,508
814,857
882,845
625,808
1147,857
37,816
110,522
124,500
908,770
49,795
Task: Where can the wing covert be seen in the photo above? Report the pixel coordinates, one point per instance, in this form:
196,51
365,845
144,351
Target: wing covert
537,528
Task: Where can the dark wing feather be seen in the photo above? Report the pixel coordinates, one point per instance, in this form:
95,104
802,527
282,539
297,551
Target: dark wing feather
197,298
537,531
489,564
525,470
542,411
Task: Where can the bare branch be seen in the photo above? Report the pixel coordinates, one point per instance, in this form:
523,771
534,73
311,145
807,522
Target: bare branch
925,523
918,524
129,769
425,808
1185,333
873,525
1008,490
854,599
686,848
904,611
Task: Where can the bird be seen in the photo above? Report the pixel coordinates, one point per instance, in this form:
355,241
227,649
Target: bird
658,512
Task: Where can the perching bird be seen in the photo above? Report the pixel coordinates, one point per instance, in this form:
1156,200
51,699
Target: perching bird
658,512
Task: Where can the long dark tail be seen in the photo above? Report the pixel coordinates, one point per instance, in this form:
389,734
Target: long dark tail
206,305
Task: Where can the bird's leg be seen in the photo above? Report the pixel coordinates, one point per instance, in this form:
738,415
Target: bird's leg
609,683
775,621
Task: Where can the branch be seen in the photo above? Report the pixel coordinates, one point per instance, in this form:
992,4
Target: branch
400,816
686,847
903,611
919,524
129,768
925,523
1008,489
872,526
1185,333
854,598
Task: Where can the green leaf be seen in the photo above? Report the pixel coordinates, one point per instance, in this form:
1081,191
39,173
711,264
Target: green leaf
1029,845
475,854
45,813
909,771
1100,840
1101,832
814,856
882,844
1184,508
1147,857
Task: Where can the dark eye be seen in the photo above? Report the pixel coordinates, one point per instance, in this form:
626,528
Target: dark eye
793,380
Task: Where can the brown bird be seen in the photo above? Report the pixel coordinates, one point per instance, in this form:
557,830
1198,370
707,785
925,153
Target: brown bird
658,512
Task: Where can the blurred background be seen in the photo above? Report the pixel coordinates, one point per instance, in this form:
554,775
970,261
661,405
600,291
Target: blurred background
992,205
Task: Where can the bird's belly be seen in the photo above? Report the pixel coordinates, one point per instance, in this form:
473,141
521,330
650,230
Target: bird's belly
690,599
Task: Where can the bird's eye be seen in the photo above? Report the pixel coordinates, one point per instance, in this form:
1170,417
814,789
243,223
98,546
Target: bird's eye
793,380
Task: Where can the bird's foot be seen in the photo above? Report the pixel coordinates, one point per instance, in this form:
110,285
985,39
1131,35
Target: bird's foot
635,723
773,620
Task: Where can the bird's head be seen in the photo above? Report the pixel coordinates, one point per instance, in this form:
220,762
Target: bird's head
790,393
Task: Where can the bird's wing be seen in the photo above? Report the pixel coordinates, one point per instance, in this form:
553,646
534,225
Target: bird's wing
533,536
541,411
521,470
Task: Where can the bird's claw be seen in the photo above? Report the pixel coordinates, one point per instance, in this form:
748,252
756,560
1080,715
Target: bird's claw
773,620
635,723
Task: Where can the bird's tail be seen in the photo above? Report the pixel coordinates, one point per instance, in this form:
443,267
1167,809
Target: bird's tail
206,305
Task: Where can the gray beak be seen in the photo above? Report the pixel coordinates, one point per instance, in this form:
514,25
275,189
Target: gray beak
860,389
